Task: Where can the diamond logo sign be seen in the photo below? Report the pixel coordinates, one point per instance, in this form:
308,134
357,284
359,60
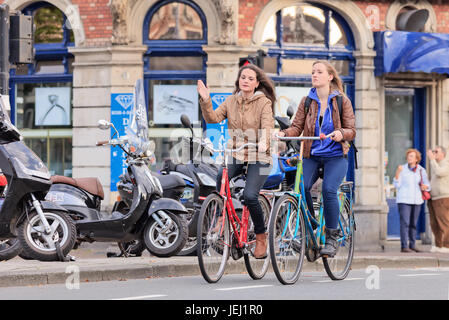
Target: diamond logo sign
125,100
219,98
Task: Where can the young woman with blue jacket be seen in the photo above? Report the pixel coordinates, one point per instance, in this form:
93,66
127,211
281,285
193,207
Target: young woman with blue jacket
410,180
330,154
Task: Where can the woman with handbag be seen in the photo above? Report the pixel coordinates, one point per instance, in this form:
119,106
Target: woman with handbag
413,188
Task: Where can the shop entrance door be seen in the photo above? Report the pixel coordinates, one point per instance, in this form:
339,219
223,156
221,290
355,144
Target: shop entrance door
405,127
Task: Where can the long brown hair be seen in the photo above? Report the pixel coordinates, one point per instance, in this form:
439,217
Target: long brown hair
336,83
266,85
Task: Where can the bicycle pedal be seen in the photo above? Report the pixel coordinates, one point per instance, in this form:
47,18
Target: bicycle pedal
296,245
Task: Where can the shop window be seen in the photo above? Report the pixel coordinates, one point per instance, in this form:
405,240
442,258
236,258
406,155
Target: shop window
175,32
41,92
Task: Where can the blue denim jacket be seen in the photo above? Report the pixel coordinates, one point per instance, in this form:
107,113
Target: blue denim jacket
408,185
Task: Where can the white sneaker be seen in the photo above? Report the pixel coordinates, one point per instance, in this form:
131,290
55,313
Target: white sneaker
443,250
435,249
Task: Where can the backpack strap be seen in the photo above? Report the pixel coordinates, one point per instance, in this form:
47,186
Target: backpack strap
351,143
307,105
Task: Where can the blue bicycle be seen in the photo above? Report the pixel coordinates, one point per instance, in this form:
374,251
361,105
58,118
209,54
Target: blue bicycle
295,232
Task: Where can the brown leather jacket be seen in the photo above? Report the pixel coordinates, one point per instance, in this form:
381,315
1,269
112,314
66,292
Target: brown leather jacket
306,123
249,120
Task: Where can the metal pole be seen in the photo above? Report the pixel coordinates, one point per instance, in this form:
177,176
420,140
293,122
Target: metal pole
4,49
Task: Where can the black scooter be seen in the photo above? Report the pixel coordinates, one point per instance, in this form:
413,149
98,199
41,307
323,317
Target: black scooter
44,230
148,218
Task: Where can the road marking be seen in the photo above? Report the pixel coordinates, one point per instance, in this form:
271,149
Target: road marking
241,288
347,279
419,275
142,297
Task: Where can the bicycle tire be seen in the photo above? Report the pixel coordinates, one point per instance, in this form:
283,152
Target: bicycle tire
287,245
345,251
257,268
213,236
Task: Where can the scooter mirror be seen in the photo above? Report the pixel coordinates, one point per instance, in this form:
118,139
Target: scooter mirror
186,121
104,125
290,111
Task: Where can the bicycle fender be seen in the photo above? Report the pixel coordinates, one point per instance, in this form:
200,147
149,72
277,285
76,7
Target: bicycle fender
168,205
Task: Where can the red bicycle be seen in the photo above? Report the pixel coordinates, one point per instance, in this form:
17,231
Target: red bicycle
225,231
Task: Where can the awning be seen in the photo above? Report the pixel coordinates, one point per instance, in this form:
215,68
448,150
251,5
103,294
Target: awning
401,51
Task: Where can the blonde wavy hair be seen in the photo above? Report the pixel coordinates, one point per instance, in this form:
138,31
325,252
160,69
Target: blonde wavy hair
336,83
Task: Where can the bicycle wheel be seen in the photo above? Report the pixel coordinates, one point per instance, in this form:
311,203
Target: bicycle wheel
213,236
257,268
338,267
287,239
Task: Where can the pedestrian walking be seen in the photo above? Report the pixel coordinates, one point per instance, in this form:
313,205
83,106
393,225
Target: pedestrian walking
410,180
439,203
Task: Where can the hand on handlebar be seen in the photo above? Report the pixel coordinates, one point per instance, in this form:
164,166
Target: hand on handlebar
337,136
276,135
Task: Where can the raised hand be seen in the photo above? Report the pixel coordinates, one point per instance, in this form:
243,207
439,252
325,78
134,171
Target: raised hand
203,91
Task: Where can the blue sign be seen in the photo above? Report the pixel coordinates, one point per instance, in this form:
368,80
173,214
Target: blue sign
121,105
218,132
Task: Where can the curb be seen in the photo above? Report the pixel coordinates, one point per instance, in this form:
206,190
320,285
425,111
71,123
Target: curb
58,273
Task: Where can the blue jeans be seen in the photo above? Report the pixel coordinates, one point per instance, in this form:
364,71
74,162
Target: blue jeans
335,169
408,215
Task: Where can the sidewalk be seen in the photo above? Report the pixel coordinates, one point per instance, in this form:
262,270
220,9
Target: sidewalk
93,265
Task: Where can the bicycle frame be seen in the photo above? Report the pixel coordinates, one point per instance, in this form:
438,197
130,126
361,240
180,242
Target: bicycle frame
318,239
228,208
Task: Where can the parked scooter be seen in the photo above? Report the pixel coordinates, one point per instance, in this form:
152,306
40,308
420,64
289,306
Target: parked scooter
148,218
173,188
200,178
43,229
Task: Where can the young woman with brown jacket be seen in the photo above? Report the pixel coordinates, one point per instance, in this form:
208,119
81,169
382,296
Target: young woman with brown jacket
250,119
330,154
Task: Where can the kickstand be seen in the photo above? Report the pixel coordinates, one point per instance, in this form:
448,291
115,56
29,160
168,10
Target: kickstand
114,255
61,256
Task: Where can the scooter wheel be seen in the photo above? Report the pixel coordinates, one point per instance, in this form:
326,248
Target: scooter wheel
40,246
9,248
165,243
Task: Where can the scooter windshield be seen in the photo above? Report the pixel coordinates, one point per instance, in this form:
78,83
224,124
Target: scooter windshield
27,160
8,132
137,129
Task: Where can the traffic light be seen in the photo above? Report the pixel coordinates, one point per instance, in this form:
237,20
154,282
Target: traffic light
256,59
20,39
16,44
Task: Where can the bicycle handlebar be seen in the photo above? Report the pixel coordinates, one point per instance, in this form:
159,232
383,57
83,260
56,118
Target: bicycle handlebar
321,137
231,150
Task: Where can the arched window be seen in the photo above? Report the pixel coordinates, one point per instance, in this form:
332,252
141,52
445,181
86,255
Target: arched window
298,35
295,37
41,92
174,32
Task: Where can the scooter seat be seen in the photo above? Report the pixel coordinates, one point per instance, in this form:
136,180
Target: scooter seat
91,185
170,181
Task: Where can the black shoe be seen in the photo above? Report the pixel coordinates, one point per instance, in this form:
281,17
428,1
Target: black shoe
416,250
330,248
406,250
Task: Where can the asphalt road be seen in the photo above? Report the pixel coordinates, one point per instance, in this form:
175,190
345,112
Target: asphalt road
369,284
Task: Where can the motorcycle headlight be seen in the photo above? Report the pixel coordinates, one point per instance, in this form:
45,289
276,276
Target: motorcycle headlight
206,180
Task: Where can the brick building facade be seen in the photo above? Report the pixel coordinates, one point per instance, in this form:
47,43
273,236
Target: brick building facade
112,47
